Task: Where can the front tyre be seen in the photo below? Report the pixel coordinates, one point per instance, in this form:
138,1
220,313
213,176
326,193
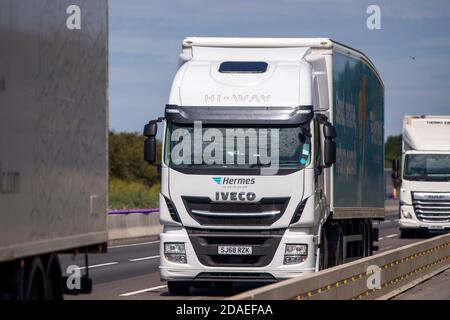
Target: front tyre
178,288
407,233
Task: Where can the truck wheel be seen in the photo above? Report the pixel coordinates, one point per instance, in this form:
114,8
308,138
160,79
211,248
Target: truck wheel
54,278
407,234
367,238
35,281
178,288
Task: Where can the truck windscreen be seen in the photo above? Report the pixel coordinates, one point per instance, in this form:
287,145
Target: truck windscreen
241,147
427,167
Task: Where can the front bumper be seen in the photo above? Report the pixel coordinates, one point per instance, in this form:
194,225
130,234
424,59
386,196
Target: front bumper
193,270
412,223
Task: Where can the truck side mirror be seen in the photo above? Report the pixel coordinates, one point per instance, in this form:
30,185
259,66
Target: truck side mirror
329,131
394,175
395,165
329,156
150,131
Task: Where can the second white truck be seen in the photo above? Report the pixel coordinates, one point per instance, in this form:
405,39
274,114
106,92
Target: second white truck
272,160
425,179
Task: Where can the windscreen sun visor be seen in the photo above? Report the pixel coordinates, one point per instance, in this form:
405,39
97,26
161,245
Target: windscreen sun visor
240,115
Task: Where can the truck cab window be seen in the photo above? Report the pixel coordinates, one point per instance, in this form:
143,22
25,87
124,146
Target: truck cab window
236,147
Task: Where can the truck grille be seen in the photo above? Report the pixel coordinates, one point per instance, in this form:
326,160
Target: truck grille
206,242
262,213
432,207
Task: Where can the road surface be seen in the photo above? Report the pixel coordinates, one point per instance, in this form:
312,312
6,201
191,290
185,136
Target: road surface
436,288
130,270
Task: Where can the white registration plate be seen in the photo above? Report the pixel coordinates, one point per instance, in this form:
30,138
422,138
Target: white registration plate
235,250
436,227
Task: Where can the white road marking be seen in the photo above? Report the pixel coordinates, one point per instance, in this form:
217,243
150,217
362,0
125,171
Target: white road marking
100,265
380,238
133,244
392,235
144,258
141,291
387,221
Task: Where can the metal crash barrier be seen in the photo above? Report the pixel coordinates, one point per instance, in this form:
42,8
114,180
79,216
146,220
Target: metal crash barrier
380,276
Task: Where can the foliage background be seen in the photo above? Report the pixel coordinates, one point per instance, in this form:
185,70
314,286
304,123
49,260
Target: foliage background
392,150
133,183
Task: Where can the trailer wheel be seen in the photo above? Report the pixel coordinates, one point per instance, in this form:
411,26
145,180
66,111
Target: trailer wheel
54,278
178,288
35,281
367,238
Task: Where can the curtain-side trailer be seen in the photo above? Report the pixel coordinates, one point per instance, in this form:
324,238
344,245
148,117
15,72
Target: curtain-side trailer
53,141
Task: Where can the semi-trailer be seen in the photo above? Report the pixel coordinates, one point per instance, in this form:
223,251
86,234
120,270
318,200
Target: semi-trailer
53,143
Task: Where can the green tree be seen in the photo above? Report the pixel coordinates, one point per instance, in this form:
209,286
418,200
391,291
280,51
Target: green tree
133,183
126,158
392,150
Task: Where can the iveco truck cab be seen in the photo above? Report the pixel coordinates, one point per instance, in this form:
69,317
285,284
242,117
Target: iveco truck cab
425,178
272,164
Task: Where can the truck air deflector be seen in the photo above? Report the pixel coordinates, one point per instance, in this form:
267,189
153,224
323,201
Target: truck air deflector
243,67
240,115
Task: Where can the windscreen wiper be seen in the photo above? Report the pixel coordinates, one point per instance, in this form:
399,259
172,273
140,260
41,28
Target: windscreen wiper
259,165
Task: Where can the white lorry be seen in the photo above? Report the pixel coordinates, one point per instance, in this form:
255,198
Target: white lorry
53,144
272,162
425,178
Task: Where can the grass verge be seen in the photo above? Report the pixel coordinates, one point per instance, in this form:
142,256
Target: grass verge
132,195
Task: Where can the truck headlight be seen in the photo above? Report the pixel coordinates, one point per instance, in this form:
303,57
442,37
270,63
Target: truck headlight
295,253
406,214
175,252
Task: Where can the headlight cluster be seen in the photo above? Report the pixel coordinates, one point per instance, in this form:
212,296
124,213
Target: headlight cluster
295,253
406,214
175,252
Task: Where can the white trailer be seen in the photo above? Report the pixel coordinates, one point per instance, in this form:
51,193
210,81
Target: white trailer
229,213
53,141
425,178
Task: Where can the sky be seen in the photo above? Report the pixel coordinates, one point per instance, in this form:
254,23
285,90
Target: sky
411,50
